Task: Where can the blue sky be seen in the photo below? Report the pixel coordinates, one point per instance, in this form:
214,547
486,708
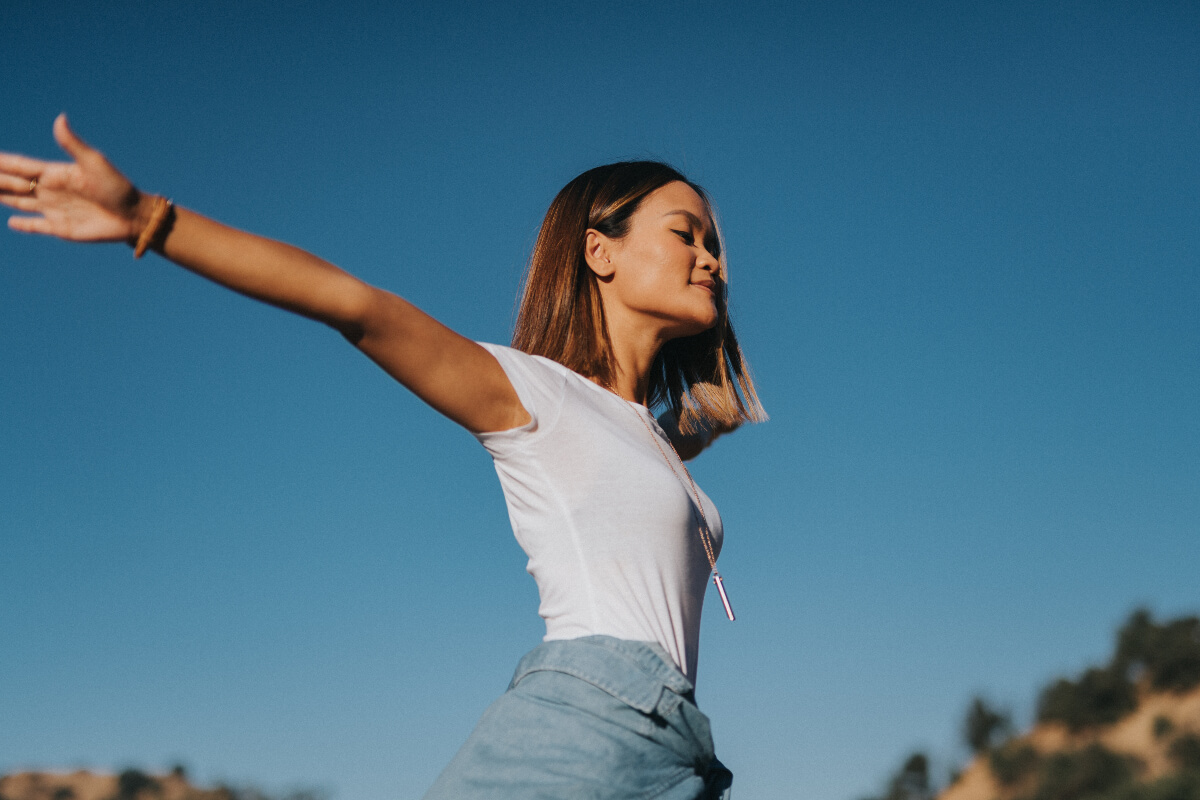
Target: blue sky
964,252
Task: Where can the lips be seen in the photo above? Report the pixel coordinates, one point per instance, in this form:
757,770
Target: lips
710,285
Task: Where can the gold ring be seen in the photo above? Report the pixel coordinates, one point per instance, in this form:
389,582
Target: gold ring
33,185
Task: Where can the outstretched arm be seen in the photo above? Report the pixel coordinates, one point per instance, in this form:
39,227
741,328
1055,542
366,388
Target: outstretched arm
88,200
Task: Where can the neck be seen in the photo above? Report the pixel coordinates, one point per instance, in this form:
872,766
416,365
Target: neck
635,345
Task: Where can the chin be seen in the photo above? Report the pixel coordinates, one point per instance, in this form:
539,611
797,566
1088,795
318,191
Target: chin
709,321
696,328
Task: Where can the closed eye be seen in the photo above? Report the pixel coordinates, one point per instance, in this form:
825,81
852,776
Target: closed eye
710,243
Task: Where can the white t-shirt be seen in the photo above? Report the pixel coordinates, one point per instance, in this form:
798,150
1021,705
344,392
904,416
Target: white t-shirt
612,533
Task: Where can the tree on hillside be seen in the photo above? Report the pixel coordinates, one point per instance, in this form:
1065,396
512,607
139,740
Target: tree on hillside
1099,697
911,782
984,726
1169,654
133,782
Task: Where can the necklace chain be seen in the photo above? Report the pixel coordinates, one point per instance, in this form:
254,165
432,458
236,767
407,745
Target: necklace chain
705,532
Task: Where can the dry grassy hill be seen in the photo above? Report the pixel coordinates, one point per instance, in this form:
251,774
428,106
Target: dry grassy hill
1126,730
1157,742
85,785
131,784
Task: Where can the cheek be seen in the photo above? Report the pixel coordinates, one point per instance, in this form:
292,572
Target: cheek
660,270
658,286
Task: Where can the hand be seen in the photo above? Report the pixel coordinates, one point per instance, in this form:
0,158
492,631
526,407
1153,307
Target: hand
83,200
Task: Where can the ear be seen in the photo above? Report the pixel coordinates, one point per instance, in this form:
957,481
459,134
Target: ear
598,251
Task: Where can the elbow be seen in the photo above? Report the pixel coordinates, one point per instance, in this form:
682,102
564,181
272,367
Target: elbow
352,334
352,314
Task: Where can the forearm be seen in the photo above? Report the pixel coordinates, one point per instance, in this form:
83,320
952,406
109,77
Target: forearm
265,269
87,199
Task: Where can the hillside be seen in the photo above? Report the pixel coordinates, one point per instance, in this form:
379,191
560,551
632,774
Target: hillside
1125,730
1157,743
86,785
131,784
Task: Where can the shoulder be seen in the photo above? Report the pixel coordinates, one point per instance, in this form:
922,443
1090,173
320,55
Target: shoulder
529,369
511,355
539,384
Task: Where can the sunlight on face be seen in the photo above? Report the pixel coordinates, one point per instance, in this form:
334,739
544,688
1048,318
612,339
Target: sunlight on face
666,270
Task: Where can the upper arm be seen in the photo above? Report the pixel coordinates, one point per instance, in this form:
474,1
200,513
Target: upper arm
455,375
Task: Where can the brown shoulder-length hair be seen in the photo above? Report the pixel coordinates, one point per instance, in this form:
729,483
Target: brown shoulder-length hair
562,318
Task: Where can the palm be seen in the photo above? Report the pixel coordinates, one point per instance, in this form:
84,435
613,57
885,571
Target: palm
83,200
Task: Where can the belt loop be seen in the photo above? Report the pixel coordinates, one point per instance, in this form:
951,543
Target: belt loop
668,702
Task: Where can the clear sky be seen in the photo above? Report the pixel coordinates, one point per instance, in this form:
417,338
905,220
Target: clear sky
964,246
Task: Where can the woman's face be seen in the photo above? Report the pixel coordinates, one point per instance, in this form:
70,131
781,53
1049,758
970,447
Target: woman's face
665,270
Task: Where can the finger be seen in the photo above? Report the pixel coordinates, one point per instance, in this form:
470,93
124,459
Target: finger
68,141
15,185
19,202
24,166
29,224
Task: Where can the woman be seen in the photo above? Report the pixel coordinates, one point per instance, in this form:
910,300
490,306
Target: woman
624,309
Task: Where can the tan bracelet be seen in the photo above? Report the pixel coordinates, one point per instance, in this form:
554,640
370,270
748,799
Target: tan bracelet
158,215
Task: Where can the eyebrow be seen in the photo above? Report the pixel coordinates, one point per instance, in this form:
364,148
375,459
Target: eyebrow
692,217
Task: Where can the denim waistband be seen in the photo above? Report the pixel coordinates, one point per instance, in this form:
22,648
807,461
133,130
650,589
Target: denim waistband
636,673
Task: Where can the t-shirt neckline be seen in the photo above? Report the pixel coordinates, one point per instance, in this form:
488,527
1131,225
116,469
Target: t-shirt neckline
635,405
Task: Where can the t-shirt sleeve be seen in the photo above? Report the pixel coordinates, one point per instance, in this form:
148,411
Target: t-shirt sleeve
539,385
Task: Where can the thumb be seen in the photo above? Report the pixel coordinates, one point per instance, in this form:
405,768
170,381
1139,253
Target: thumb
68,141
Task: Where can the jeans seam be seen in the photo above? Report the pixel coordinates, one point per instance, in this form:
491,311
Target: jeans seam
659,671
603,686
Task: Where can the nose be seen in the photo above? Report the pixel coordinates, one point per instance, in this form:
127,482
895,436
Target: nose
708,261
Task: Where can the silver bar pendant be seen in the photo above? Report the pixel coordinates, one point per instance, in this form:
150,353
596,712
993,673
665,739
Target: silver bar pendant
724,597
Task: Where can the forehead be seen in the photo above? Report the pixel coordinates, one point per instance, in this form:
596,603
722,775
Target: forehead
675,196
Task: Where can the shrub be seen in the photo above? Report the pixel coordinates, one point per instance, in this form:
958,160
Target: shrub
1163,727
1168,653
912,781
1134,640
1013,762
1099,697
1087,773
132,782
984,725
1181,786
1185,752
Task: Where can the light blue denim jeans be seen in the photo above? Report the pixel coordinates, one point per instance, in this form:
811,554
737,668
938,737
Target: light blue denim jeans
595,718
